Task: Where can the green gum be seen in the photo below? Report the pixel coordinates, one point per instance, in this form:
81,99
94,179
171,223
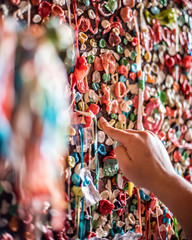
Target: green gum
165,17
111,5
141,84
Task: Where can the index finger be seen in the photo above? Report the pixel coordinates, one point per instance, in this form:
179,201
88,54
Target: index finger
116,134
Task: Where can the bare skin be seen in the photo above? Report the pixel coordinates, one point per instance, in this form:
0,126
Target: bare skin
144,160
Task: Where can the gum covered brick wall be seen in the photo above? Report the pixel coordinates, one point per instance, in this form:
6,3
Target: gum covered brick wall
134,67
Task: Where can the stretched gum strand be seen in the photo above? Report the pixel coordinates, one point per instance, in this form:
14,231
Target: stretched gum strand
138,61
96,152
81,213
76,26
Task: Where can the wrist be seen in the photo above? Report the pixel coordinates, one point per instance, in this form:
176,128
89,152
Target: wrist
164,184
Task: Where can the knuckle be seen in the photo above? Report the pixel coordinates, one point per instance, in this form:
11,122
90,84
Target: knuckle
145,134
136,137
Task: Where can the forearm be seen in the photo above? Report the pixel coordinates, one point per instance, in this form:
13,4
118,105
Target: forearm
176,193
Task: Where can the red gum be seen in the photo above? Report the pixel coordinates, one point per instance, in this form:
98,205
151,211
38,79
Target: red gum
123,70
187,3
157,29
154,127
113,25
169,36
183,38
86,24
56,10
120,89
148,47
95,31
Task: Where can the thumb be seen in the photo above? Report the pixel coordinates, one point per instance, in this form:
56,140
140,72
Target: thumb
116,134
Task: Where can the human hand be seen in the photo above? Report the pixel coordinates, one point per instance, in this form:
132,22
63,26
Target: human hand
141,155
